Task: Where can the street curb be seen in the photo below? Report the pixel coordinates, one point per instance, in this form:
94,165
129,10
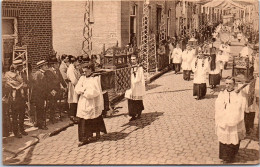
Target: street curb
57,131
21,150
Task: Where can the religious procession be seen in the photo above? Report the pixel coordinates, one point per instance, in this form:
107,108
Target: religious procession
161,83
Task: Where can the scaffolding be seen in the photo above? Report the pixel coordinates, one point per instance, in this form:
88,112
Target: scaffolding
87,31
145,37
162,35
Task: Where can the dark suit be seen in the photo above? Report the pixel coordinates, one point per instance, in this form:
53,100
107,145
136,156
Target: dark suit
39,96
54,81
18,105
6,92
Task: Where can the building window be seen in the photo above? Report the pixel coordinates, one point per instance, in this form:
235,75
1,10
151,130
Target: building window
133,25
168,22
9,39
158,21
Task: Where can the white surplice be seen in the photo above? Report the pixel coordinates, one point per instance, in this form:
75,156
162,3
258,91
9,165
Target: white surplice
137,90
176,55
229,117
91,103
187,58
200,68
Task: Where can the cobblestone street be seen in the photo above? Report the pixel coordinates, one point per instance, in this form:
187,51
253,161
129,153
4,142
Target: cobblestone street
69,67
174,129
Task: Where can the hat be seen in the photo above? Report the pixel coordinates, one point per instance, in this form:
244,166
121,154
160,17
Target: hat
18,62
72,59
53,60
41,63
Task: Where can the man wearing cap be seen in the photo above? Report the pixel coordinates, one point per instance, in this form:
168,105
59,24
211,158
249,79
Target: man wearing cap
18,97
54,82
39,93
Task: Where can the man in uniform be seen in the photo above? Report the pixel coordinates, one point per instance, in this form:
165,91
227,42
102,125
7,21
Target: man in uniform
54,83
39,93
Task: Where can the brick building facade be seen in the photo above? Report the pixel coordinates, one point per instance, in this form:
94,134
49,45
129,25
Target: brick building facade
28,23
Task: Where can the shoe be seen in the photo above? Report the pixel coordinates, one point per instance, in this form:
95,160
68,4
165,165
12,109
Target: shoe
18,135
138,116
24,133
132,119
98,136
83,143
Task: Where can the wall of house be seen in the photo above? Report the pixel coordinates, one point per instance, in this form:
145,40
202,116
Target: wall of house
107,25
125,22
67,24
34,26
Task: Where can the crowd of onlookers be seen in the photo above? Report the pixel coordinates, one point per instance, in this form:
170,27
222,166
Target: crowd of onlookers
47,90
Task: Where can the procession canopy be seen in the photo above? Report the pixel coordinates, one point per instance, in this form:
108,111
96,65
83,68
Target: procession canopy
222,4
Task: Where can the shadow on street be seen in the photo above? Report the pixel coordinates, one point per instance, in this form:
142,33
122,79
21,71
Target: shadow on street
151,86
145,120
245,155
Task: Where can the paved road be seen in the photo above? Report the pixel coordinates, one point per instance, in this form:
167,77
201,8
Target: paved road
174,129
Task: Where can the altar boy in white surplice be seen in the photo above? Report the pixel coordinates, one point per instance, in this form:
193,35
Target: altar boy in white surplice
137,91
229,121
